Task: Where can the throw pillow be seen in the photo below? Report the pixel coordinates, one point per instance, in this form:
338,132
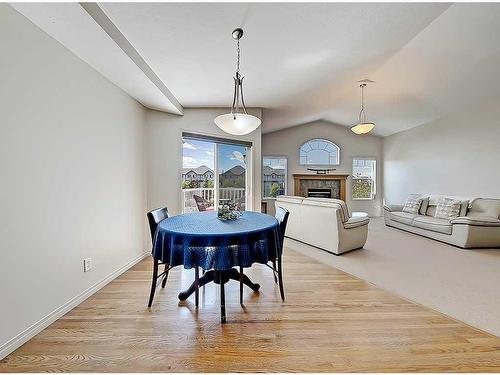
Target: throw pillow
412,204
447,208
424,206
464,205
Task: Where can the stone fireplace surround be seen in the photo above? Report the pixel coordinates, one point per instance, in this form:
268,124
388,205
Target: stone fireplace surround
334,182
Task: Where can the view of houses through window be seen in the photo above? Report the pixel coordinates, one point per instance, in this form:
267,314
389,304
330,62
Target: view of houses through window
202,188
274,174
364,173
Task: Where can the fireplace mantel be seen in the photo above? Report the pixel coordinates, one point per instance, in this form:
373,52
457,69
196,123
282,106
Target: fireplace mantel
299,177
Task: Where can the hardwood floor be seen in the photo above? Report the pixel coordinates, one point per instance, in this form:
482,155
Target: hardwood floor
330,322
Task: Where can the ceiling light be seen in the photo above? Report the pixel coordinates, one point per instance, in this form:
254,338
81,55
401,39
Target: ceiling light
363,126
238,121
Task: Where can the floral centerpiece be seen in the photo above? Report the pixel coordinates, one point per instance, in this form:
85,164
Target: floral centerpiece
228,211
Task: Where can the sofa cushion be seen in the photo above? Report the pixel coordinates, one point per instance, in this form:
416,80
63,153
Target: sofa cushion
447,208
403,217
433,223
412,204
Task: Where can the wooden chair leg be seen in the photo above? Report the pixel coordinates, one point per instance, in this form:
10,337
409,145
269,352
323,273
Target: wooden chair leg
280,279
197,281
153,283
222,300
241,286
164,281
274,273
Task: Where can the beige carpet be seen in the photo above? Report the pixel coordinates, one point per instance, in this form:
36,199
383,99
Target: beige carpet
463,284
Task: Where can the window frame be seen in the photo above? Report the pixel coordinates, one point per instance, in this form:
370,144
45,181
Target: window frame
228,140
286,173
374,178
320,139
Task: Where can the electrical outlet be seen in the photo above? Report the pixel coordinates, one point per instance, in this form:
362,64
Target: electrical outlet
87,264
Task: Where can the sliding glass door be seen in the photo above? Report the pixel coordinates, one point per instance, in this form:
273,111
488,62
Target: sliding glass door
198,176
214,172
232,174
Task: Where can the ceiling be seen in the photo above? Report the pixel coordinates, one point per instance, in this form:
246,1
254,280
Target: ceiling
301,61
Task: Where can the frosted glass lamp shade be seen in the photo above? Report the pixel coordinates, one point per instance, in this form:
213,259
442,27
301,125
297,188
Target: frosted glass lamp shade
237,123
363,127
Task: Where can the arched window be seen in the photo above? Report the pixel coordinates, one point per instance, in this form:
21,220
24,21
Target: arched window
319,152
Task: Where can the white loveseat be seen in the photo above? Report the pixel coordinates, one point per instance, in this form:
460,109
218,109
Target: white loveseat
478,224
324,223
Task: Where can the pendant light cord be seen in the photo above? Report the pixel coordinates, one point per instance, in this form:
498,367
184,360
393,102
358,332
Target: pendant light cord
238,82
238,57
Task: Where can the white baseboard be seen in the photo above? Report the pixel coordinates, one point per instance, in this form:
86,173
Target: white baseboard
27,334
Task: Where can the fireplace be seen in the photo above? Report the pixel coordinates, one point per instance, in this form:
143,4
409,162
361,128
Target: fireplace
317,185
319,193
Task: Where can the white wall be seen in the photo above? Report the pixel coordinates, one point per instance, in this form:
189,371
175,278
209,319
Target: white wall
164,153
72,177
287,142
456,155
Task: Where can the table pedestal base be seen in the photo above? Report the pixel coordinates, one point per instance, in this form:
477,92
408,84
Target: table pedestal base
219,277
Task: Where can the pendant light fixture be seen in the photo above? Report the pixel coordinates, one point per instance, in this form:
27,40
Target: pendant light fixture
363,126
237,121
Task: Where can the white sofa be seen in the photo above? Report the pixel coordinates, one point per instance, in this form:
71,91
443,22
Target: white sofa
478,225
324,223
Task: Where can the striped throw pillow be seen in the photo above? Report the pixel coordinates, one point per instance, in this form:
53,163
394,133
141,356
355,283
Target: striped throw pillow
447,208
412,204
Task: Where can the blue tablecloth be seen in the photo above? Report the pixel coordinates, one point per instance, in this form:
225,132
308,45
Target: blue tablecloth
200,239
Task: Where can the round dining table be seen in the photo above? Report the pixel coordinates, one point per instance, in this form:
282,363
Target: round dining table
202,240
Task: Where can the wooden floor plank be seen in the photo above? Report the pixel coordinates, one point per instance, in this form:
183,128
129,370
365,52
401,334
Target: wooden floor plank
331,321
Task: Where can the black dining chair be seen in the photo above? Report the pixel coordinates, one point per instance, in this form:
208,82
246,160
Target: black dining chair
154,218
277,267
282,216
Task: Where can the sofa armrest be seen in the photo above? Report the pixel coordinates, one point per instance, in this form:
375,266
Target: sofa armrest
476,221
393,207
355,222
